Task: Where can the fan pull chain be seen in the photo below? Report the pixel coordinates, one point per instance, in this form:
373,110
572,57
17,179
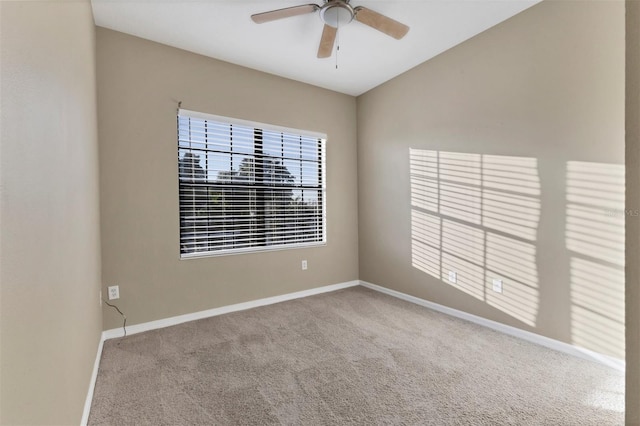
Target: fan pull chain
337,40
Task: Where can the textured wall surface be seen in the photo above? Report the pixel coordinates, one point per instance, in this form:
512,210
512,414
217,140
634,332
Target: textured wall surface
50,261
503,158
139,86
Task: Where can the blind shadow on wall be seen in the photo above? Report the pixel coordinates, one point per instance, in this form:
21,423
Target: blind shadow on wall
478,215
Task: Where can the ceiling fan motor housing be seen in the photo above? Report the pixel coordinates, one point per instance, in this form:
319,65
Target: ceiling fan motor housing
337,13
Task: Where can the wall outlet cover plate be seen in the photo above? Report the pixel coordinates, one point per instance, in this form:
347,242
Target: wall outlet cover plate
114,292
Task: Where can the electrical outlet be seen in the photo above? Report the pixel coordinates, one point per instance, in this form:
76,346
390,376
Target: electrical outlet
114,292
497,286
304,265
453,277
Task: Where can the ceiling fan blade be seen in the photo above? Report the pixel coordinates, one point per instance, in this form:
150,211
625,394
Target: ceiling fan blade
380,22
261,18
327,40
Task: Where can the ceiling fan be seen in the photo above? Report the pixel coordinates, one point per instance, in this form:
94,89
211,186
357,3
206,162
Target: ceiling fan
334,14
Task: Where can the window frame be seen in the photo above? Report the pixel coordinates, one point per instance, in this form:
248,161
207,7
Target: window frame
256,126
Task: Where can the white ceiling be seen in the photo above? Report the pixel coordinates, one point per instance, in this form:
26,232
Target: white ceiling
223,29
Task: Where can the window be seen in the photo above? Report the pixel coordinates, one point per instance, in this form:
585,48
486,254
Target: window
247,186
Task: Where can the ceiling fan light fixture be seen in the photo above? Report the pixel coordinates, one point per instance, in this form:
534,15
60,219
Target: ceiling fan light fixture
337,13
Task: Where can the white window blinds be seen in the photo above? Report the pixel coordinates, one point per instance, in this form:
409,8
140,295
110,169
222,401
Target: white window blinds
247,186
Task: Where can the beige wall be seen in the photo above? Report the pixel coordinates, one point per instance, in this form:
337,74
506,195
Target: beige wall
139,85
504,158
633,204
50,261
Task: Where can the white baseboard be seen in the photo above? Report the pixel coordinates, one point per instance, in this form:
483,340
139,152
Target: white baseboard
92,383
166,322
557,345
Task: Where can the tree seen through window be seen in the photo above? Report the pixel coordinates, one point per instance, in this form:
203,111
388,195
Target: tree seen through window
242,188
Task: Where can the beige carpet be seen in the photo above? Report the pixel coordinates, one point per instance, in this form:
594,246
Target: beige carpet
350,357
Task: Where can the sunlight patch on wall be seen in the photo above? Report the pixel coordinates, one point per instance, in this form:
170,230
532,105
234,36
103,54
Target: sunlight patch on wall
459,176
604,181
466,242
595,238
511,174
470,277
514,262
425,243
477,215
597,311
462,202
463,251
511,195
514,214
595,232
423,168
